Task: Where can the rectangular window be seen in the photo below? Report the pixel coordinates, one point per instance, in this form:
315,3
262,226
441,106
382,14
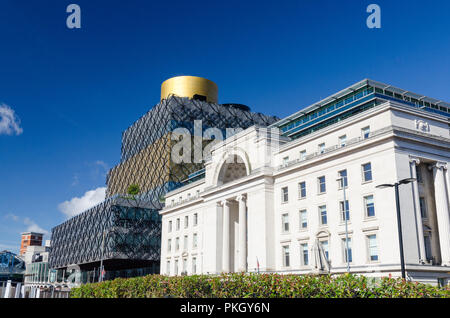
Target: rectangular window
321,148
170,226
178,224
169,245
305,255
344,248
365,132
343,180
345,213
370,207
194,240
303,219
343,140
284,194
184,266
324,245
285,161
419,174
186,222
322,184
176,267
285,222
286,260
168,268
428,254
194,265
323,214
177,244
373,248
303,155
185,243
302,190
367,172
195,219
423,207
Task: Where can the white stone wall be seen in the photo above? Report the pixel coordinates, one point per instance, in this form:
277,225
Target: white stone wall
416,134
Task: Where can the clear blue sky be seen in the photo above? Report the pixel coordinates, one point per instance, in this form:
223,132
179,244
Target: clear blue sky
75,91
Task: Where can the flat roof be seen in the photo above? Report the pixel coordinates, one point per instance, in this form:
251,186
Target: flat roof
352,88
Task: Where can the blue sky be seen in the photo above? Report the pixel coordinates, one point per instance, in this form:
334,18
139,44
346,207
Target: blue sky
71,93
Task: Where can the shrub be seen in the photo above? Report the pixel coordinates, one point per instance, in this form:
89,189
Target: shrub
259,286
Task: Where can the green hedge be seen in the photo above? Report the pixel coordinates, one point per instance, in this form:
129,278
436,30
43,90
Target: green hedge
258,285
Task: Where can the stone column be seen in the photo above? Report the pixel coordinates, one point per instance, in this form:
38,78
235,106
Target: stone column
226,237
242,233
414,162
442,210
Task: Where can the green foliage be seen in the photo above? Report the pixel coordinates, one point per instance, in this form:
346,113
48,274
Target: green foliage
133,190
259,286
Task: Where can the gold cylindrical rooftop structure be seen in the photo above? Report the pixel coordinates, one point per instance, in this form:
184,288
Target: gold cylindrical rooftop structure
190,86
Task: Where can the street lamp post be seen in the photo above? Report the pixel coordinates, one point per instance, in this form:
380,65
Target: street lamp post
399,219
346,223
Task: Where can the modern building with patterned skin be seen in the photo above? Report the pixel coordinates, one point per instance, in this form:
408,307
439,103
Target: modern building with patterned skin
301,196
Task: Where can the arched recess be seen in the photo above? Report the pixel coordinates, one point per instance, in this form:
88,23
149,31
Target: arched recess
234,165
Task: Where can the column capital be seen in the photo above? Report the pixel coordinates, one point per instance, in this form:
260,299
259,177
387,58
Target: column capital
225,202
241,197
438,165
414,160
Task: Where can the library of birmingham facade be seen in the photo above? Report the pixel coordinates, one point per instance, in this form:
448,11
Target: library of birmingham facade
301,196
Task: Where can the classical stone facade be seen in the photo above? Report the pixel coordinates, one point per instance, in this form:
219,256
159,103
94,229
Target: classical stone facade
272,203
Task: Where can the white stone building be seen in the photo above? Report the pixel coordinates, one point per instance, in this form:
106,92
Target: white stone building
272,200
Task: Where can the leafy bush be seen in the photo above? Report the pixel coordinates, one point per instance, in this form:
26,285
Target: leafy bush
259,285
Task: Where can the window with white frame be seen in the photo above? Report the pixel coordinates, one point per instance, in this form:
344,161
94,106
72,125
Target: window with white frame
178,224
285,222
369,206
345,211
186,222
343,140
302,190
284,194
285,161
322,186
343,180
169,245
324,245
184,265
367,172
303,219
321,148
344,249
303,155
195,219
365,132
185,243
372,247
168,268
194,240
323,215
170,227
194,265
177,244
176,267
304,254
286,257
